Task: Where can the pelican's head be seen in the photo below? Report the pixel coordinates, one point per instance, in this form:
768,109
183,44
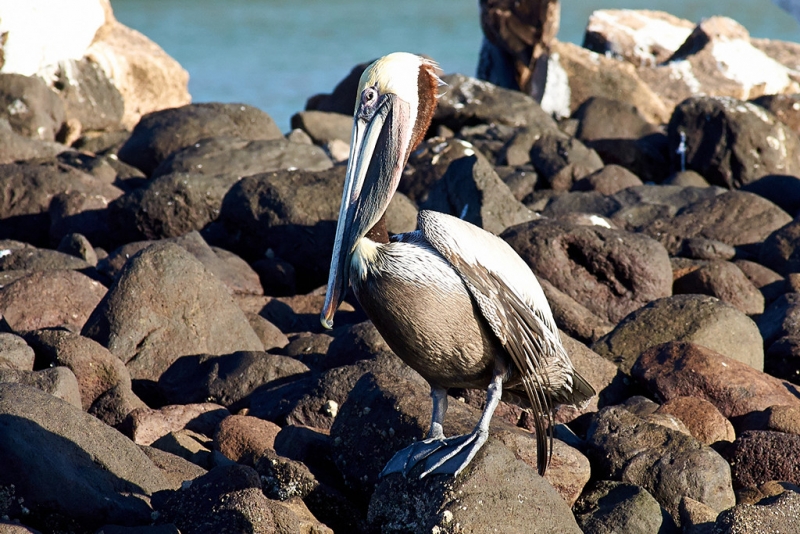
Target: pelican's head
394,107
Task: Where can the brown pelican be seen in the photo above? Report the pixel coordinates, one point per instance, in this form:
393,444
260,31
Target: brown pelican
455,302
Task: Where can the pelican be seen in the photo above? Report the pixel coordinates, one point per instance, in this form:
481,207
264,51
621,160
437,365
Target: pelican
453,301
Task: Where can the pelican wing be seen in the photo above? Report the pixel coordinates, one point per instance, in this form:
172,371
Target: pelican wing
513,304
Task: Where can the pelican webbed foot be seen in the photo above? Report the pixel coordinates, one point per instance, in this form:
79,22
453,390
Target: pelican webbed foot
438,456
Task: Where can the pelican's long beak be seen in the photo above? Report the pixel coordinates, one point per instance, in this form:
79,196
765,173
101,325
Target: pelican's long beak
378,153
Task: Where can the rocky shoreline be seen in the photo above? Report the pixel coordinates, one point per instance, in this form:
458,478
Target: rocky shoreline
162,364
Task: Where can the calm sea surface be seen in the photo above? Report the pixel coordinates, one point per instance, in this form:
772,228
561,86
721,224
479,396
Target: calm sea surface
274,54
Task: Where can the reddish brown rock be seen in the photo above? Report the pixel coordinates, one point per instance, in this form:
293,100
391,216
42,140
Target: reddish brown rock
684,369
778,418
243,438
49,299
701,417
758,456
145,425
725,281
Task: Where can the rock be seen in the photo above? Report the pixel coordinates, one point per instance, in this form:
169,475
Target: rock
161,133
343,98
176,470
153,312
276,275
269,334
697,319
702,418
227,379
401,215
778,514
243,438
696,517
770,283
684,369
753,143
470,101
736,218
574,318
59,382
226,499
686,179
758,456
324,126
714,60
636,207
781,189
780,249
145,425
778,418
107,475
606,118
782,359
562,160
31,259
725,281
780,318
147,78
638,36
79,246
300,313
49,299
16,147
621,507
785,107
15,353
236,157
667,463
701,248
477,499
472,189
27,192
608,180
96,369
603,375
618,271
89,96
30,107
189,445
578,74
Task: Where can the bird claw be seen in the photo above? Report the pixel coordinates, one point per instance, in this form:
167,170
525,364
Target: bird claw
441,456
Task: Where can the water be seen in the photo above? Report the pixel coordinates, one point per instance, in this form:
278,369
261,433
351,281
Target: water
274,54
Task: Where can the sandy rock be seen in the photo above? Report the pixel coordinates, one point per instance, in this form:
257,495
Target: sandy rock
758,456
684,369
724,280
639,36
778,514
227,379
608,180
754,143
161,133
15,353
107,475
28,189
701,417
145,425
151,315
243,438
621,507
470,187
291,212
736,218
50,298
30,107
667,463
233,156
561,160
575,74
96,369
618,271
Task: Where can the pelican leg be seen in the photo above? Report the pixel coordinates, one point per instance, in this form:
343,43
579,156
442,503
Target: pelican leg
404,460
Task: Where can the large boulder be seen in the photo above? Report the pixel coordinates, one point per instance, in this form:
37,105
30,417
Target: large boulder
32,109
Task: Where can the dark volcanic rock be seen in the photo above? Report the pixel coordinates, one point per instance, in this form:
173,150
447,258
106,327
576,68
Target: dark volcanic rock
736,389
477,498
574,318
619,507
562,160
15,353
243,157
161,133
782,359
781,189
780,319
292,213
781,249
608,180
324,126
89,96
91,473
50,298
758,456
146,426
16,147
59,382
611,272
665,462
725,281
605,118
776,514
32,108
27,258
165,305
731,142
471,188
343,98
698,319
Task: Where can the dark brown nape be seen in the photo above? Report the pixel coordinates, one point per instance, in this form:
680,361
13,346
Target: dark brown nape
378,233
427,86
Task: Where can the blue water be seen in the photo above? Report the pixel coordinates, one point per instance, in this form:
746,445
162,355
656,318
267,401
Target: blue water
274,54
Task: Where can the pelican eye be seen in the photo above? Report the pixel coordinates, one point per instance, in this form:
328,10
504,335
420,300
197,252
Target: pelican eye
369,96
